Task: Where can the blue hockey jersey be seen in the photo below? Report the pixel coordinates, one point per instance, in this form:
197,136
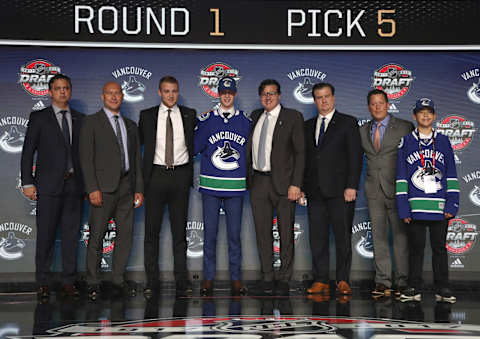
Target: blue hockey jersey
412,200
222,143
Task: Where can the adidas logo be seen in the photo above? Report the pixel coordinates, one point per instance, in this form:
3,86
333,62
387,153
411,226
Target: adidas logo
38,106
457,263
392,108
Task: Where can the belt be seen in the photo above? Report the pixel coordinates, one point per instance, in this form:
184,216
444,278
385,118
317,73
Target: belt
68,175
262,173
170,168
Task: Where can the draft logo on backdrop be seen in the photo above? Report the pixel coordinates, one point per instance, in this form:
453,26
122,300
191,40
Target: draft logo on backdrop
458,129
194,239
12,239
393,79
472,77
130,76
305,78
211,74
461,236
108,242
12,133
35,75
363,239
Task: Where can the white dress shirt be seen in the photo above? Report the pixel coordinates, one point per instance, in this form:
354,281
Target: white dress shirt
180,152
328,118
272,120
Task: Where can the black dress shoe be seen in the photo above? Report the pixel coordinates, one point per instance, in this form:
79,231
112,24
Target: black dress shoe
124,289
69,291
43,292
93,291
282,288
238,288
206,289
184,287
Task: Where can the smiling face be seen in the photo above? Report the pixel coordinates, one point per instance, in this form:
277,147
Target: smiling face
60,93
378,107
226,99
270,97
324,100
169,93
424,118
112,96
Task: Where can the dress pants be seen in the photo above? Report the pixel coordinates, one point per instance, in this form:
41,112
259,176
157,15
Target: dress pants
384,216
264,201
323,212
118,205
233,211
64,211
416,231
169,187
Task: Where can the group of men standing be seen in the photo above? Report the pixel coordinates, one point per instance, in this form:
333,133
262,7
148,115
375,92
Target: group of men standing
265,152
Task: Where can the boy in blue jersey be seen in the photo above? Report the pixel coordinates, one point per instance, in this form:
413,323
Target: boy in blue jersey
427,194
221,139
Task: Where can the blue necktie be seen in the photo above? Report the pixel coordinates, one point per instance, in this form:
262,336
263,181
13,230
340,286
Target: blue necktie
321,132
262,156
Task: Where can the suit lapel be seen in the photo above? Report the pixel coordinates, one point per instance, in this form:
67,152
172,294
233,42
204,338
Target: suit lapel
388,131
277,131
107,126
75,126
184,116
369,136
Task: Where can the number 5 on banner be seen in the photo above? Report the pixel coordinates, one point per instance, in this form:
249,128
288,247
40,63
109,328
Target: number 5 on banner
217,32
381,21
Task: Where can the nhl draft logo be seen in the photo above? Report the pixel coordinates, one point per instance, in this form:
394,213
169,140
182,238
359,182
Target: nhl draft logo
393,79
364,244
458,129
419,174
473,78
19,187
35,75
474,194
297,231
226,157
132,87
108,240
461,236
305,79
11,240
194,239
12,133
210,75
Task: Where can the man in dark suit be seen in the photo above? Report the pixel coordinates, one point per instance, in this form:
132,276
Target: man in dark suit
380,139
276,160
57,184
166,131
111,163
332,175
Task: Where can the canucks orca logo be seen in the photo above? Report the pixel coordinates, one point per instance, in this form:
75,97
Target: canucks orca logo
225,158
473,92
303,92
133,89
194,244
417,177
11,247
365,245
475,195
12,141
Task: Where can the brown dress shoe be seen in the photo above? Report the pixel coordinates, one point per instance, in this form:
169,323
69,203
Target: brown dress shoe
238,288
206,288
343,287
319,287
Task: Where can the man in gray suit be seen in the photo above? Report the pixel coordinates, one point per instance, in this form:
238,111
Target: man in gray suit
111,162
380,139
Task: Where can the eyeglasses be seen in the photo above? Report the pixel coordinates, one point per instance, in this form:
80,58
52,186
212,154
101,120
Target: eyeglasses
268,94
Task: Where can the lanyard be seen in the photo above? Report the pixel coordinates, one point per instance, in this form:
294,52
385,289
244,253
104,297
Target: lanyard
420,148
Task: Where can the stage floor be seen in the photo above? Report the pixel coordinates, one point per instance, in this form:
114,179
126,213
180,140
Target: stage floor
252,317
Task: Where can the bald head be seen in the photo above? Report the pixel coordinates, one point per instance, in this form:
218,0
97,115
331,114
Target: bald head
112,96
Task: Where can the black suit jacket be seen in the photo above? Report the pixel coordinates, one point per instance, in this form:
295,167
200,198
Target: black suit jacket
288,150
148,137
100,154
45,137
337,163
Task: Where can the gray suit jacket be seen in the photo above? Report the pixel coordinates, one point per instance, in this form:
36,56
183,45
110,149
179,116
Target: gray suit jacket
100,157
382,165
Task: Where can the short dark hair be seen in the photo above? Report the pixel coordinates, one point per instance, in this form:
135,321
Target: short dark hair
169,79
59,76
266,83
376,91
321,85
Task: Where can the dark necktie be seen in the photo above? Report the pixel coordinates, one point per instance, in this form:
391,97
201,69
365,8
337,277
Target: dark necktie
321,132
169,141
120,141
66,136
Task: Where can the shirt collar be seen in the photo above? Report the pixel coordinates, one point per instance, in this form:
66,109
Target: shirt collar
164,108
383,122
222,112
276,111
57,109
110,113
329,116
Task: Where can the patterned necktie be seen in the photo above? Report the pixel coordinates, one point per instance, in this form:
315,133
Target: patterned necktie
66,136
321,132
120,141
376,137
262,155
169,141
